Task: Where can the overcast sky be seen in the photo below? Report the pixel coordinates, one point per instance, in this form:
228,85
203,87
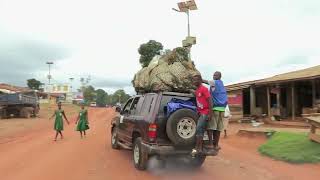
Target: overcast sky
244,39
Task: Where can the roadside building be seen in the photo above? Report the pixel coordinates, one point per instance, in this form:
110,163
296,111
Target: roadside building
78,97
62,92
10,89
284,96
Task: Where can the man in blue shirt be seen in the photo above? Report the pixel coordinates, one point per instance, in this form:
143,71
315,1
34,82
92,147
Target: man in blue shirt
220,100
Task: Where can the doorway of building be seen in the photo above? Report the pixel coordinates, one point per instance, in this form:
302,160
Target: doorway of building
304,95
246,102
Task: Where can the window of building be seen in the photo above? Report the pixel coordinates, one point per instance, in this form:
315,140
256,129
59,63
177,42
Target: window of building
65,88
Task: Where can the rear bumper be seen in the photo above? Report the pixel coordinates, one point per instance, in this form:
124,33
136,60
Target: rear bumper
164,150
172,151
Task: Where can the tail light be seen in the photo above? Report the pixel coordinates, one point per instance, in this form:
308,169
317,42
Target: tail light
152,132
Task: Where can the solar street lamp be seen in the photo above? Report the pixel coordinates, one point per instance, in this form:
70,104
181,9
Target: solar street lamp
186,7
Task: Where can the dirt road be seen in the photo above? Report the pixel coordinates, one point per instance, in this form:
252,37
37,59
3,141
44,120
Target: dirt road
34,155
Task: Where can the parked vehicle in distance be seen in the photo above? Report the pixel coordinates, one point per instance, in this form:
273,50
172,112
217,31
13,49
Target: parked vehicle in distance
144,127
93,104
22,104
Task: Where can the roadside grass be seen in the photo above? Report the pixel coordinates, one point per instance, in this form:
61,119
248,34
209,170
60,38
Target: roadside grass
291,147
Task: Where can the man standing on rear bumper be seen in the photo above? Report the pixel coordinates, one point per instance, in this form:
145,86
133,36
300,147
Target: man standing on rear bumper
204,106
220,101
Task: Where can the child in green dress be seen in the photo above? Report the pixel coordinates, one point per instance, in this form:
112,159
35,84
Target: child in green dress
58,123
82,121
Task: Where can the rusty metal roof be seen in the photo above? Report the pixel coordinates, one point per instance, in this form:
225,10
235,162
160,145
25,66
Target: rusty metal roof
305,74
13,88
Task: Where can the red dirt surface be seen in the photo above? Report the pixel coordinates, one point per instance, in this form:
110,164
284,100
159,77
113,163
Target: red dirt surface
33,155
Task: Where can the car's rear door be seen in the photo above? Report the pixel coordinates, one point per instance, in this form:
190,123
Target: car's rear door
146,115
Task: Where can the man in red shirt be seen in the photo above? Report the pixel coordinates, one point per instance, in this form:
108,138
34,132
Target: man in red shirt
204,106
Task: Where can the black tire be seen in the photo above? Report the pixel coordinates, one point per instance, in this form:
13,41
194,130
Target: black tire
172,125
196,162
25,112
141,162
114,138
3,114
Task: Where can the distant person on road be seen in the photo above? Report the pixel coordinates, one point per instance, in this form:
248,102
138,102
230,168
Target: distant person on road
58,123
82,121
204,106
220,100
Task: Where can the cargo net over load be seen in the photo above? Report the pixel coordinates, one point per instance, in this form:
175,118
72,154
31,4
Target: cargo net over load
170,72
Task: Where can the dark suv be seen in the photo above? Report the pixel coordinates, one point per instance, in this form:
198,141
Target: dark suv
144,126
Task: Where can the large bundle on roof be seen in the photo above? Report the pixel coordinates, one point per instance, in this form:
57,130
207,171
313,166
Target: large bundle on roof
170,72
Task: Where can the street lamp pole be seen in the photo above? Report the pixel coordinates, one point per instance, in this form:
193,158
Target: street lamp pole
49,85
71,92
186,7
188,16
49,76
188,23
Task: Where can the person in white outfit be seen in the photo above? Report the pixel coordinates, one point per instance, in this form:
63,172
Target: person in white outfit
227,117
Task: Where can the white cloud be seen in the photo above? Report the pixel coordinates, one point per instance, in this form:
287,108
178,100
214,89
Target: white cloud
243,39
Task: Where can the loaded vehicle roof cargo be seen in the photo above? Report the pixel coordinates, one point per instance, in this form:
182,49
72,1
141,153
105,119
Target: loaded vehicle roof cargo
170,72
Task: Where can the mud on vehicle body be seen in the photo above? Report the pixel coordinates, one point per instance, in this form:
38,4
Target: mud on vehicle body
143,127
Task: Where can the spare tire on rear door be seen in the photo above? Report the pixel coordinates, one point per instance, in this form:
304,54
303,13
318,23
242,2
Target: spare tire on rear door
181,127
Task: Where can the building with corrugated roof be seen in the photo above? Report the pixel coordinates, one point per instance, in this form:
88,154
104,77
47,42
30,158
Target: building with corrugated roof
8,88
284,96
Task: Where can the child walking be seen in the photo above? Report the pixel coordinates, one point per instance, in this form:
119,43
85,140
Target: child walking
58,123
82,121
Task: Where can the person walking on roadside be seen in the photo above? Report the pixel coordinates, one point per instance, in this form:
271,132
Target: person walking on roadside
204,106
82,121
58,123
220,101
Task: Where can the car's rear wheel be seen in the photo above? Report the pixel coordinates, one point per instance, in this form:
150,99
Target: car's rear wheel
3,114
181,127
114,139
140,158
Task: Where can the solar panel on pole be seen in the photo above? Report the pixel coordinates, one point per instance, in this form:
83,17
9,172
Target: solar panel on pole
191,5
183,7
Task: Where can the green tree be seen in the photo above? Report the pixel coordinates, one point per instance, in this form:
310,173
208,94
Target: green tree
101,98
89,94
34,84
182,52
119,95
148,50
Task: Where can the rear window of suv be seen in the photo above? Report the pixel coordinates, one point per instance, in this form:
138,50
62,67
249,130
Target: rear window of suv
167,98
